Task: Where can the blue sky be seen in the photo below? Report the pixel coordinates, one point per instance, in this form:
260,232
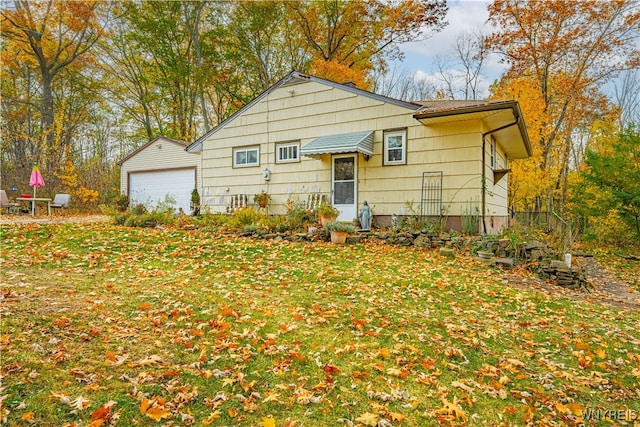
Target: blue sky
463,15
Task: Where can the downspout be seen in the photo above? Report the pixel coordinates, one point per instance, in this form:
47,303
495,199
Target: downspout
484,173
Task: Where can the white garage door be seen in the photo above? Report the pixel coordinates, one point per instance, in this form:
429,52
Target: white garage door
154,188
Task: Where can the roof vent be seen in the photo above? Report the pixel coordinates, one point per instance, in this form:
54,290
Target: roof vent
350,84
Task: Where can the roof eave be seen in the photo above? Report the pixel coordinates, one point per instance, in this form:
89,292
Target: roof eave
492,106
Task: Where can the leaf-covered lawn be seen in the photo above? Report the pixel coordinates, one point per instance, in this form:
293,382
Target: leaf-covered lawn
104,325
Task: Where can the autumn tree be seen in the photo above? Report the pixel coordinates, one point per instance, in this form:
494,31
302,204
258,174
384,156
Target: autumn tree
349,39
128,70
159,30
461,71
567,50
609,182
262,44
47,46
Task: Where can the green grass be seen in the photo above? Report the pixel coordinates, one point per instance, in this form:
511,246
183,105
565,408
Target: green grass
235,331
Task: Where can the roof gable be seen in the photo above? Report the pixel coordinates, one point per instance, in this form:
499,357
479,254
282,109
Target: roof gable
295,78
143,147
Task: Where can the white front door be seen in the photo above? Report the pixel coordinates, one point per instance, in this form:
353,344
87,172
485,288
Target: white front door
345,186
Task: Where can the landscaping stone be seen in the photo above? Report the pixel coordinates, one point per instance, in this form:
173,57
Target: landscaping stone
445,237
571,278
437,243
422,241
448,252
507,263
489,262
354,239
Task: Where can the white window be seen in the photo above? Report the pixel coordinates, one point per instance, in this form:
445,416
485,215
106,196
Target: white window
246,156
493,152
288,152
395,147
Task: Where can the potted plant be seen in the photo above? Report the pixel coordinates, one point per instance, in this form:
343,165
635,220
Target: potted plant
339,231
122,202
327,213
262,199
195,202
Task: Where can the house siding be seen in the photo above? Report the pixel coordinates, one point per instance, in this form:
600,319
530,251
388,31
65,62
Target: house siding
306,111
496,209
160,154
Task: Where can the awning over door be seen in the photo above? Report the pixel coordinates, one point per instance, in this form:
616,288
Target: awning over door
357,142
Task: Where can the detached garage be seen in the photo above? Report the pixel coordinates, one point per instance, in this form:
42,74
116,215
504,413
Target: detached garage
159,170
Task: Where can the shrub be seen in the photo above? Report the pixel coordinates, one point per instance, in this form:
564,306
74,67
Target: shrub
122,202
195,202
245,216
326,209
298,217
340,226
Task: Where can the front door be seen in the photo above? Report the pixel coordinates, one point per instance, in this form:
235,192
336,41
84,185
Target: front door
345,186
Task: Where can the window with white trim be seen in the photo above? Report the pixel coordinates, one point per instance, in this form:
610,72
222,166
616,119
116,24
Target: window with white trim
246,156
493,152
395,147
288,152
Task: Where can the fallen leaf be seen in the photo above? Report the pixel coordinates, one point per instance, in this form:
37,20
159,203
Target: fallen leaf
368,419
158,413
212,417
151,409
330,369
80,403
151,360
452,409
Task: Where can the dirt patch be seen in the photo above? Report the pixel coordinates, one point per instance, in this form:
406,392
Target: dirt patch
606,289
38,294
28,219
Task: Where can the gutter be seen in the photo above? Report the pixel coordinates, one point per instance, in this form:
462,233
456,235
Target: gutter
484,173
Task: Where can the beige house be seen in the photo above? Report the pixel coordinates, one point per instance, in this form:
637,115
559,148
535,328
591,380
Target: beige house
159,171
306,135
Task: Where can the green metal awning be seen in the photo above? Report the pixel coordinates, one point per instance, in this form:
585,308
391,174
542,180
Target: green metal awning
360,142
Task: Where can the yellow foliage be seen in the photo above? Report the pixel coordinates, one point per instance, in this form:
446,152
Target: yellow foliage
86,195
528,179
68,177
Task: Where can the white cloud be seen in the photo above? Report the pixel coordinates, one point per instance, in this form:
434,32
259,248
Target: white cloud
463,16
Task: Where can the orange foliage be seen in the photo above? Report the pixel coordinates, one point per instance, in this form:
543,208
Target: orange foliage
559,54
527,176
340,73
358,35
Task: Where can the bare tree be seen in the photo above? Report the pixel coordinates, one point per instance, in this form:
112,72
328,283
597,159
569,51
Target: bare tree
461,72
400,84
627,96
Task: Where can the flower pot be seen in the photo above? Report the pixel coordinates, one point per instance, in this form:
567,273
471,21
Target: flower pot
325,219
339,237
